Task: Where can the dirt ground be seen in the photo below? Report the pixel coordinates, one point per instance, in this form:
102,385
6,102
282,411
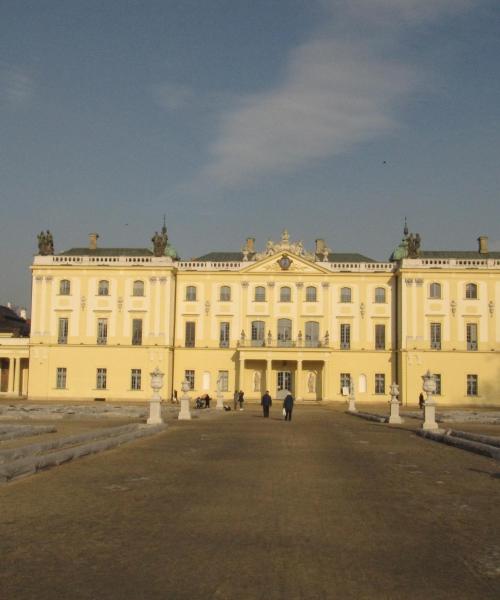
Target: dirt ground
241,507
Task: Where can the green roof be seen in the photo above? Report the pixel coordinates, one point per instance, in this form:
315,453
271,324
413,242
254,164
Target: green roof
222,257
107,252
346,257
238,256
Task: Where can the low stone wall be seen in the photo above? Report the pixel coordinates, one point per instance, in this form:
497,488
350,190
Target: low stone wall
17,431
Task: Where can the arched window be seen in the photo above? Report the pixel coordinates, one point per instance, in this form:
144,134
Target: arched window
435,290
345,294
285,294
471,291
260,294
191,293
103,288
284,332
138,289
225,293
380,295
258,331
311,294
65,287
312,334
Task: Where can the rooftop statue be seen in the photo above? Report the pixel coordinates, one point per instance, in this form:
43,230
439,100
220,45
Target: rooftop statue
409,246
45,243
161,247
284,245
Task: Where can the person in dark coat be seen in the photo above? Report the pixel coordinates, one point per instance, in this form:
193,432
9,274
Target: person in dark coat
241,399
266,403
421,401
288,405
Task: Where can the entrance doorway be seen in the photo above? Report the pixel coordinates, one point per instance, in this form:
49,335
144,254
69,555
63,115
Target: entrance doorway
284,382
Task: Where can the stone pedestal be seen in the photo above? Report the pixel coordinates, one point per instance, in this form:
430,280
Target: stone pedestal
155,417
185,413
220,401
394,415
352,401
429,423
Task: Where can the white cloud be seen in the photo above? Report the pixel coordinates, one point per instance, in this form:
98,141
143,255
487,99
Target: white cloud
334,95
16,85
172,96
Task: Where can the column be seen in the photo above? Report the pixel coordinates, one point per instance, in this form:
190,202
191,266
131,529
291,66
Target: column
10,384
17,377
298,382
324,387
269,372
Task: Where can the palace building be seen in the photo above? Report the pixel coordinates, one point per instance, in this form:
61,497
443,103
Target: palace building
316,322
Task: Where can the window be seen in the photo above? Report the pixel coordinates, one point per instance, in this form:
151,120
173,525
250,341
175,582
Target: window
224,335
135,379
223,381
471,336
61,378
345,294
472,385
437,379
64,287
102,375
138,289
137,332
189,377
258,333
311,294
312,334
62,331
380,295
471,291
191,293
260,294
285,294
345,336
379,337
436,336
103,288
345,382
190,338
225,293
380,383
435,290
284,332
102,331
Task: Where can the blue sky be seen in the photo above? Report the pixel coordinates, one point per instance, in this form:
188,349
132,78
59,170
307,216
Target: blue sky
333,118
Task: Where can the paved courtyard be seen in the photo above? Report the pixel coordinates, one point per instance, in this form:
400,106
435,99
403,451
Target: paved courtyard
241,507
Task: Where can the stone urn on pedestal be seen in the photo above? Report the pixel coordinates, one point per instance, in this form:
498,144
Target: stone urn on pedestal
155,417
220,396
394,404
429,387
185,413
352,399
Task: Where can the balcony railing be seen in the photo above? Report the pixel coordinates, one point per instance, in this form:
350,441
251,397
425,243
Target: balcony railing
278,343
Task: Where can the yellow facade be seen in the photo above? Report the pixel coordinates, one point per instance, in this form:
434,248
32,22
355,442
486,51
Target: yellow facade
316,323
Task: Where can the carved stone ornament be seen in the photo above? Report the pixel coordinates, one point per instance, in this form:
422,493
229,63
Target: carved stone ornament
160,241
285,262
284,245
45,243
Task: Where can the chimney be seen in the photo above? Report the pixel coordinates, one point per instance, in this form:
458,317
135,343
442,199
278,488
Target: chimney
93,241
251,245
320,246
483,244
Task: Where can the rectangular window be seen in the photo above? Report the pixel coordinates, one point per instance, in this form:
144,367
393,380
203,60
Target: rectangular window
379,337
223,381
190,334
61,378
62,331
224,335
345,383
135,382
471,336
101,379
102,331
437,379
472,387
380,383
137,332
345,336
436,336
189,377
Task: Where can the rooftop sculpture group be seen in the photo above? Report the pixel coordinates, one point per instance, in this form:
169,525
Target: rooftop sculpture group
45,243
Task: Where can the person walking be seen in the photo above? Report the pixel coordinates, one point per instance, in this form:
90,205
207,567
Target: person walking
266,403
421,401
241,399
288,405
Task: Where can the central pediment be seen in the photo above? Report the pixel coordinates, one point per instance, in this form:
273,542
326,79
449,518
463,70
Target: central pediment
284,262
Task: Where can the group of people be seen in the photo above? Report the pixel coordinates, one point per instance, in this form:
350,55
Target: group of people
238,399
267,402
